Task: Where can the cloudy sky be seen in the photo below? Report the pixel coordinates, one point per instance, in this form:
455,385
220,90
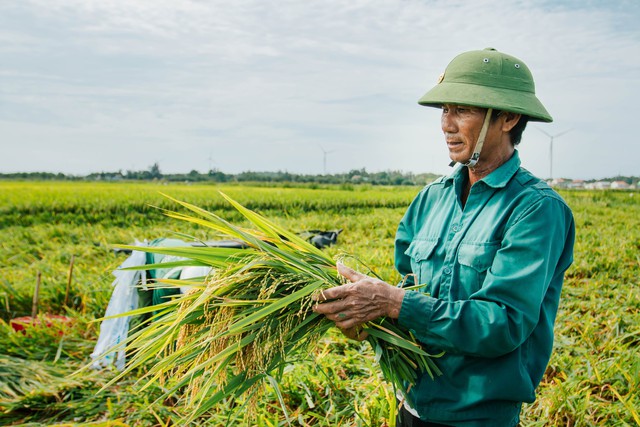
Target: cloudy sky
103,85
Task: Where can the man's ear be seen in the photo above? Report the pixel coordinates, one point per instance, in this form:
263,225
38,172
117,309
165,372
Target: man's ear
509,120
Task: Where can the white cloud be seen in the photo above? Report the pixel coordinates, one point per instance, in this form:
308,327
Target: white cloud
262,84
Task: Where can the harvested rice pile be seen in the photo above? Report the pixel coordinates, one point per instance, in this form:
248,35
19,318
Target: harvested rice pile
251,318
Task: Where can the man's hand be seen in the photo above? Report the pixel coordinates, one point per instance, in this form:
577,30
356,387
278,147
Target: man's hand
360,301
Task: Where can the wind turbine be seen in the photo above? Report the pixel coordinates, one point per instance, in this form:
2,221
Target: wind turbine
324,159
551,137
210,158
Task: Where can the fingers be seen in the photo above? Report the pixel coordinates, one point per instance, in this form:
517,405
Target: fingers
355,333
342,291
334,311
336,292
342,314
333,307
355,303
348,323
350,273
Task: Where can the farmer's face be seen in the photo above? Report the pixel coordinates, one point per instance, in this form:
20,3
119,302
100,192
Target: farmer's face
461,126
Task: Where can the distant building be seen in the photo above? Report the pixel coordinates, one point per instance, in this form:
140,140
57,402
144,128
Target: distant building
620,185
558,183
577,184
598,185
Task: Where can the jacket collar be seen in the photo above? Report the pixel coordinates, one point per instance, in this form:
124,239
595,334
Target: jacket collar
496,179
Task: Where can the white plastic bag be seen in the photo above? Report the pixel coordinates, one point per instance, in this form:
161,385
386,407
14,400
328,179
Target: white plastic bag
193,272
123,299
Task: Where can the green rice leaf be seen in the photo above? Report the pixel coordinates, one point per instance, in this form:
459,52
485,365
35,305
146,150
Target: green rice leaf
249,318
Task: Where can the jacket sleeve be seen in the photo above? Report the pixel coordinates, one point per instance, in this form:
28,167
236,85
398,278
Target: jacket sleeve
404,237
535,251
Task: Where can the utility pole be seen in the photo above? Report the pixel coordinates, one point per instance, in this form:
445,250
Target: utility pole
551,137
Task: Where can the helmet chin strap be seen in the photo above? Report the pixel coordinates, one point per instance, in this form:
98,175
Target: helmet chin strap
478,148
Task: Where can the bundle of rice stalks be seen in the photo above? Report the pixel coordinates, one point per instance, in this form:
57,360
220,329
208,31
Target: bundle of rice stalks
251,317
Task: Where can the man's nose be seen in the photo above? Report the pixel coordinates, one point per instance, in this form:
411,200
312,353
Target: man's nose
447,123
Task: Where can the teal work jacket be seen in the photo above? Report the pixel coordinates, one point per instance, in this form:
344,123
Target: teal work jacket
493,271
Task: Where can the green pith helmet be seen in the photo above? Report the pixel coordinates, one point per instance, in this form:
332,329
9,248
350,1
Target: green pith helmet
489,79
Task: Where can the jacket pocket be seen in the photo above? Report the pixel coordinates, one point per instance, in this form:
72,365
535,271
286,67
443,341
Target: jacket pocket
475,260
421,254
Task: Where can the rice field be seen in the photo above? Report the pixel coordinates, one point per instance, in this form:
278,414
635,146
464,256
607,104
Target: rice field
64,232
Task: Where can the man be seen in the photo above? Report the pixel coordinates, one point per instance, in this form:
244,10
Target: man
491,242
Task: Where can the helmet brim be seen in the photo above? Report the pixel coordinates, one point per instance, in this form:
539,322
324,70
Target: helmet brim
486,97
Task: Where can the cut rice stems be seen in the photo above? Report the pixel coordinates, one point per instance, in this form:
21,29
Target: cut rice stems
251,317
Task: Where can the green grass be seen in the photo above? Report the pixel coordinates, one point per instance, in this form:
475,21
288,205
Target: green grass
592,380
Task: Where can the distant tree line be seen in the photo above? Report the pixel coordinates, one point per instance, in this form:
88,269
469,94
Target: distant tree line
355,176
39,176
153,173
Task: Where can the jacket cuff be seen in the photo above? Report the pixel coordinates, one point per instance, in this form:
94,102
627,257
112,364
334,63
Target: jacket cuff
416,312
